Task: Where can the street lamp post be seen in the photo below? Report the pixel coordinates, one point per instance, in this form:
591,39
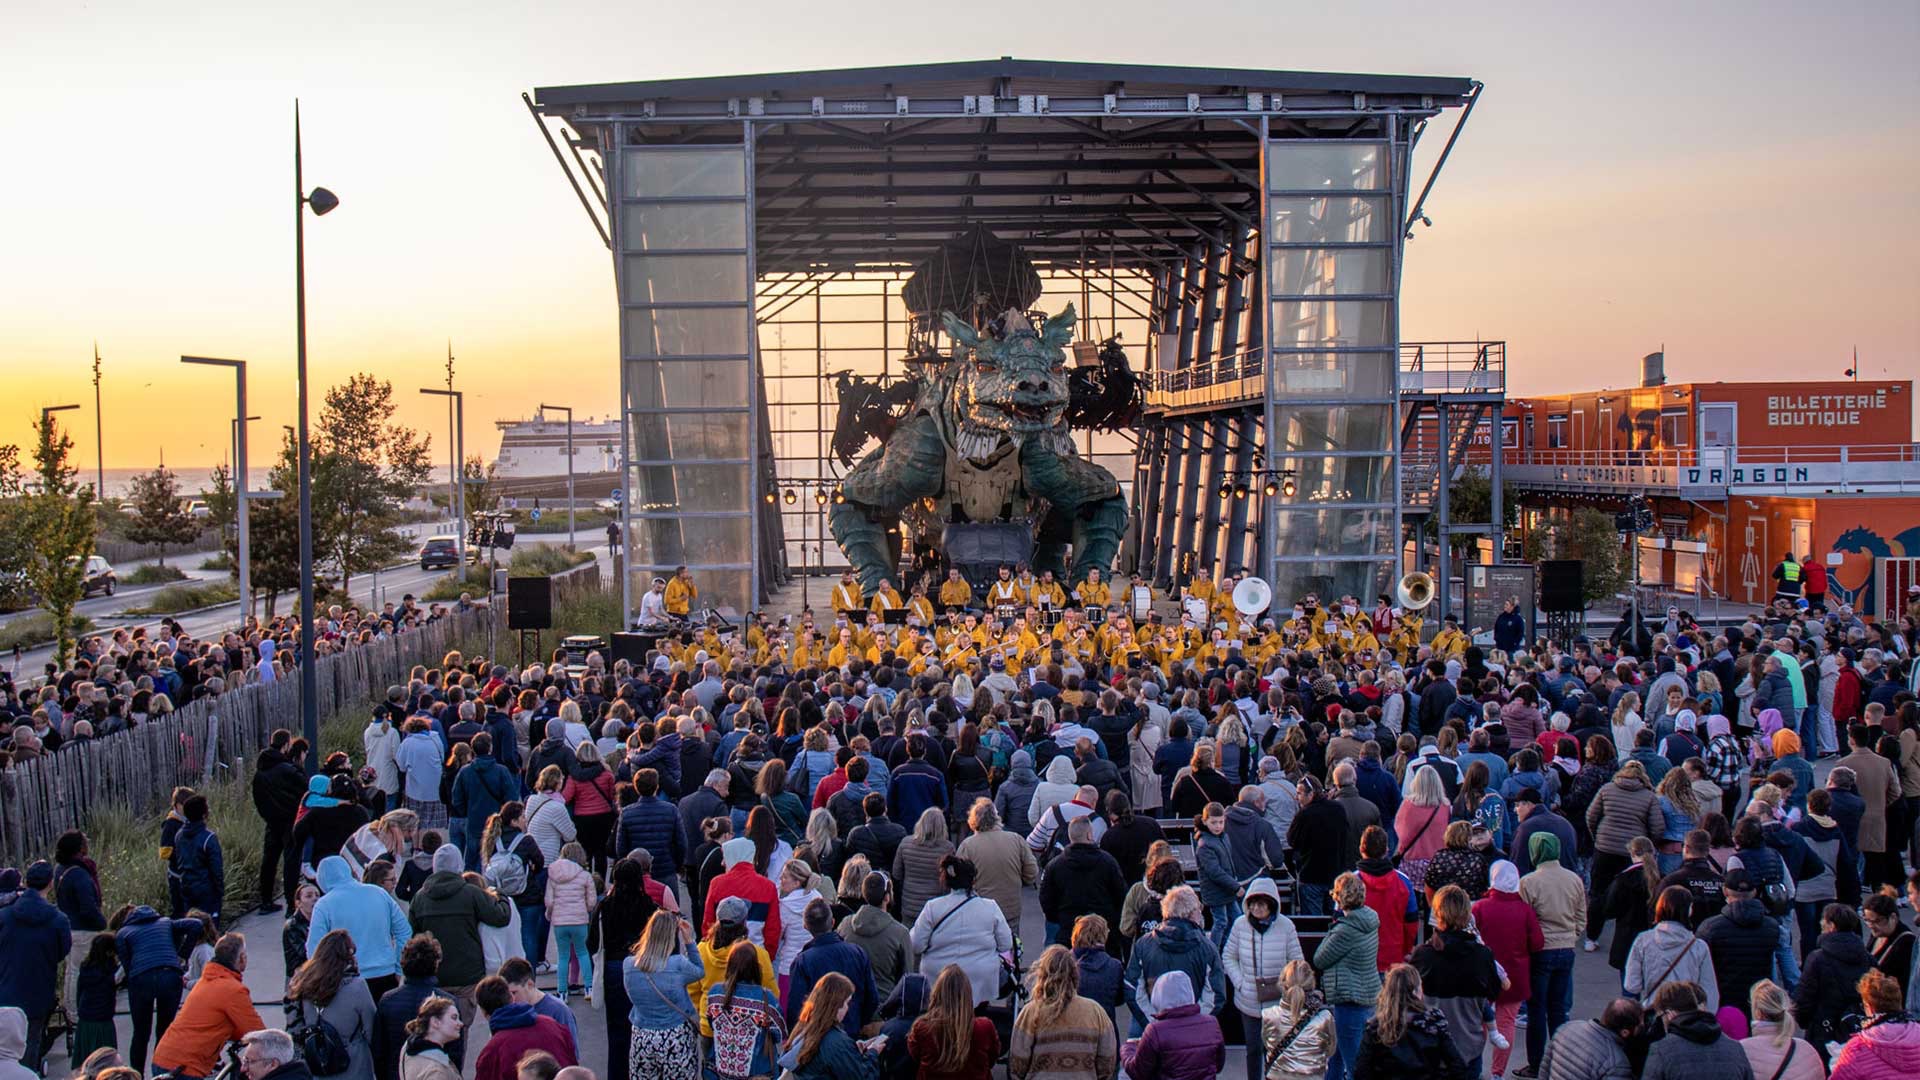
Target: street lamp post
322,201
459,507
569,411
243,564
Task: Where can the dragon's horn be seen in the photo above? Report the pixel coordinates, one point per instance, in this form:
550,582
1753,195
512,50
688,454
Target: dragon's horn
1059,329
959,331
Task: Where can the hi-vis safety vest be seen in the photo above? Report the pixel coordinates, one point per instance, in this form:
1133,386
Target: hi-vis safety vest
1789,571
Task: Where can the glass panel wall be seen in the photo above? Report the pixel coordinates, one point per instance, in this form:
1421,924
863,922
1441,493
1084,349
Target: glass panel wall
681,230
1334,331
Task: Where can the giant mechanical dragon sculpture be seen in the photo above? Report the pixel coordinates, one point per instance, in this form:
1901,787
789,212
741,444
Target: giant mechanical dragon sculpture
981,467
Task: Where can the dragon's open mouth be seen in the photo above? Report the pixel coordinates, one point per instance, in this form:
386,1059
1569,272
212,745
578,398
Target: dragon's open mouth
1035,414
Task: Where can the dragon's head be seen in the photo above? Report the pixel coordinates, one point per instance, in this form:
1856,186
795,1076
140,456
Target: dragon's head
1014,383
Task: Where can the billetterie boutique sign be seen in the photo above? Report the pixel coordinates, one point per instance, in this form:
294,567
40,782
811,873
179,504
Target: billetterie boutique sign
1822,410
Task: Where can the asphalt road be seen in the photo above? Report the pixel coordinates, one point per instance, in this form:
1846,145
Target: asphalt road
108,612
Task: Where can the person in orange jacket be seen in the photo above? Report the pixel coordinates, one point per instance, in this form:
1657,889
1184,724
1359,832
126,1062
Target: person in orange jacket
218,1011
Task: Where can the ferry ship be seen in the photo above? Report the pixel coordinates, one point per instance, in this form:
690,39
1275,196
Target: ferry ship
536,450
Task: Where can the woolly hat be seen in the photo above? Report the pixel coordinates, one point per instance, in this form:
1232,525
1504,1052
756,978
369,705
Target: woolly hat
738,850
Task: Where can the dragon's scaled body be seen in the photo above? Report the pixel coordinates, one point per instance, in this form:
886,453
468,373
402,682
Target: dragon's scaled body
986,442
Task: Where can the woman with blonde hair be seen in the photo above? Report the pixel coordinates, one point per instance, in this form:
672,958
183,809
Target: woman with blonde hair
1626,719
1775,1048
665,1043
1421,824
1681,811
1230,746
916,863
1406,1037
1060,1035
1297,1030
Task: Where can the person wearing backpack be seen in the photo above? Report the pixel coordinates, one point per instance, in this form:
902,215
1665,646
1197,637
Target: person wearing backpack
334,1016
197,863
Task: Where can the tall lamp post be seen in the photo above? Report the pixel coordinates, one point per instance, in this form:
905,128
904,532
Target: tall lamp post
569,411
243,565
459,506
322,201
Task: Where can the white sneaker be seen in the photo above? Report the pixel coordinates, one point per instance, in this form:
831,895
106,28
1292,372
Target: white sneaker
1500,1042
1590,945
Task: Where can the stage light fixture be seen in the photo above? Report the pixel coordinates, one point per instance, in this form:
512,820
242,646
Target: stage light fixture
820,496
789,497
1240,490
1226,489
1271,489
839,496
770,498
1288,488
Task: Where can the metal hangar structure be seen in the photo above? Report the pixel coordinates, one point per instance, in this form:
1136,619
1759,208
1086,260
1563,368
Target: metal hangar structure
1240,230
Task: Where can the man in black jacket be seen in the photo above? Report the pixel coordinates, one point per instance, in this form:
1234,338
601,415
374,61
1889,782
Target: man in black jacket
1081,880
1092,770
880,837
1435,699
279,782
1741,940
1318,840
1700,876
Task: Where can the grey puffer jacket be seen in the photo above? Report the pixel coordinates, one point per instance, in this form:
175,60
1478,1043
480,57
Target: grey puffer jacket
1625,807
1654,954
1016,794
1584,1050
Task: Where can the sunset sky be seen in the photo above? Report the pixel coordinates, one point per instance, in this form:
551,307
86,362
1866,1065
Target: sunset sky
1734,181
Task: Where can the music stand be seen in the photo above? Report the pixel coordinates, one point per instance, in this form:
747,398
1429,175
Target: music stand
894,616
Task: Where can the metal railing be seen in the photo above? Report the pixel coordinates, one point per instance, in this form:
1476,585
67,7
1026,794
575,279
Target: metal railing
1872,453
1456,367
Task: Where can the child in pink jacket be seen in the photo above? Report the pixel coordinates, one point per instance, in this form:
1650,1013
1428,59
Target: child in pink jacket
572,894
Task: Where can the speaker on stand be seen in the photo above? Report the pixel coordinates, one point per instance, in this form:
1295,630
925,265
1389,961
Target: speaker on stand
529,610
1563,598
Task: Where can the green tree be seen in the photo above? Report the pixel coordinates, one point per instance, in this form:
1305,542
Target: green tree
159,518
61,522
1470,502
16,537
1589,536
365,466
223,502
273,534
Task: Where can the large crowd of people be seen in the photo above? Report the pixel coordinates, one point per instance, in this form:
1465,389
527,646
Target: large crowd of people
811,848
119,680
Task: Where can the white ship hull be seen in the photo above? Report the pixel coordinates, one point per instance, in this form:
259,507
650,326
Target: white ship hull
537,448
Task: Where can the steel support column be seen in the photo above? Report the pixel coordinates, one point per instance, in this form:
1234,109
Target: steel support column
1234,552
1210,501
1442,521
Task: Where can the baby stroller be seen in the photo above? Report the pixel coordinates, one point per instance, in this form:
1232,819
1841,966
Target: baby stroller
1004,1008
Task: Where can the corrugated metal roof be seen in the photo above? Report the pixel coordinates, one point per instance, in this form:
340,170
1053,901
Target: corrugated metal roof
976,76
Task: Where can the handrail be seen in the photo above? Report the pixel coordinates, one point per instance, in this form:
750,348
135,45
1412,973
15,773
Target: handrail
1862,454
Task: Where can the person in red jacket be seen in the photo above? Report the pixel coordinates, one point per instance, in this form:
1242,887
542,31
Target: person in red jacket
1511,928
1815,586
1849,692
1391,897
741,880
516,1031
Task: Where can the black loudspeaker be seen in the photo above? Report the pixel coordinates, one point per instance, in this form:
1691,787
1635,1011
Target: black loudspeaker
529,603
633,648
1563,585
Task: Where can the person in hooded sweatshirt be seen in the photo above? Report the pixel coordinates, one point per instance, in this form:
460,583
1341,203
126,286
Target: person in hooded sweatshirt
452,909
1015,797
1694,1046
13,1045
515,1030
1670,953
1060,786
1182,1042
1260,946
370,914
1888,1045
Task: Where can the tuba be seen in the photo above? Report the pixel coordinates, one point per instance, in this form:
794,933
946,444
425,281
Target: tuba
1415,591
